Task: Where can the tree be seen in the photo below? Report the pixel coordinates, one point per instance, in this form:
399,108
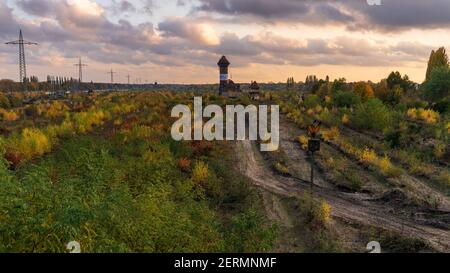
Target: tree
437,59
339,84
438,85
290,83
372,114
346,99
364,90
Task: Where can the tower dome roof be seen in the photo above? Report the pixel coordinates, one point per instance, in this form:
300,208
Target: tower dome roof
223,61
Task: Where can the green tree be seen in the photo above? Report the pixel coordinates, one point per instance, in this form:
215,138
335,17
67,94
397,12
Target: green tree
438,85
372,114
437,59
346,99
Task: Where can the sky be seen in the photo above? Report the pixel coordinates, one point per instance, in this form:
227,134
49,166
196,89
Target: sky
180,41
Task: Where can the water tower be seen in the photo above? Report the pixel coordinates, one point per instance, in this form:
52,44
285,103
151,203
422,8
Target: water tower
223,67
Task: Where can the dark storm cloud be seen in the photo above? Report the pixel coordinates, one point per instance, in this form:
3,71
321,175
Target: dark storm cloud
277,10
395,15
392,15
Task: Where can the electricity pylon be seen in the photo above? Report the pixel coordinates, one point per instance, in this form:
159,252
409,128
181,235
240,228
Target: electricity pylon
22,64
80,70
112,75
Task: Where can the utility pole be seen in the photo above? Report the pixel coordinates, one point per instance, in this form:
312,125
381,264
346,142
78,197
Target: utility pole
80,70
128,77
22,64
112,75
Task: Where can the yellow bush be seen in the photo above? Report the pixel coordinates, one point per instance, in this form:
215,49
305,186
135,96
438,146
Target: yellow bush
303,140
412,113
318,109
200,173
56,109
345,119
427,115
324,213
387,169
32,142
64,129
368,156
330,134
448,127
85,121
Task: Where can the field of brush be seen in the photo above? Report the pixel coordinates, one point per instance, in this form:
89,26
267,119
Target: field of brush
102,169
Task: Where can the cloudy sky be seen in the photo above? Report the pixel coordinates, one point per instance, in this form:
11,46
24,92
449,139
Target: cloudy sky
265,40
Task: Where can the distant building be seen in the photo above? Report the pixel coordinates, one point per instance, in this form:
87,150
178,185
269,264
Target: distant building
227,87
254,91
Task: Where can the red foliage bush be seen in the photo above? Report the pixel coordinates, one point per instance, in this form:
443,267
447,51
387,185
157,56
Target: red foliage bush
129,123
201,147
14,158
184,164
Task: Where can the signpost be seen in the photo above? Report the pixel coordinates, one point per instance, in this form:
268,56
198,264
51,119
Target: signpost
313,146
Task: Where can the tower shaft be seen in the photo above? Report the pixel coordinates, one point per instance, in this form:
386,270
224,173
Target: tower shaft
112,76
22,63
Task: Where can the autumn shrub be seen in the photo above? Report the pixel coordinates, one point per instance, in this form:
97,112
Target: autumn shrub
323,213
184,164
330,134
56,109
200,172
429,116
303,140
387,168
281,168
368,156
85,121
8,115
345,119
31,142
64,129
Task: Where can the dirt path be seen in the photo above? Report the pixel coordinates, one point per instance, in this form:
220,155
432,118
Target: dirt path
415,186
358,208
